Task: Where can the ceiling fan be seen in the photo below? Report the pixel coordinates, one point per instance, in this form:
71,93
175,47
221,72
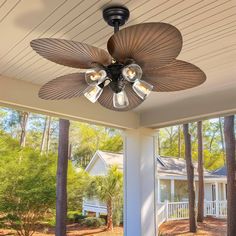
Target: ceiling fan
141,59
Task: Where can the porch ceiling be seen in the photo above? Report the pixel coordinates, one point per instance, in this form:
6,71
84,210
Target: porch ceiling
209,32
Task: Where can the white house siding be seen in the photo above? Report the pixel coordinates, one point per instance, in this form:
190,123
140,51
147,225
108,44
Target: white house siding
222,195
98,168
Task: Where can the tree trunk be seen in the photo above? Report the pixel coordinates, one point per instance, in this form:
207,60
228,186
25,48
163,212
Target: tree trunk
212,139
23,123
200,215
109,215
48,134
231,171
190,178
42,146
62,166
70,152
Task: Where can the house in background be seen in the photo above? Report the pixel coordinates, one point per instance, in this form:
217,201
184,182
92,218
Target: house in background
171,181
99,165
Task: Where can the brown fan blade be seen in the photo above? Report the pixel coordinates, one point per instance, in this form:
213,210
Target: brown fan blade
178,75
64,87
70,53
106,98
148,43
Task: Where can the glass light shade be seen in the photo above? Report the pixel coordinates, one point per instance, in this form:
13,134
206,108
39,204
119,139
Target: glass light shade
93,92
142,88
95,76
120,100
132,72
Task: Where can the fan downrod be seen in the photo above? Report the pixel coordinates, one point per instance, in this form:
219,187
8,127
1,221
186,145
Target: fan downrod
116,16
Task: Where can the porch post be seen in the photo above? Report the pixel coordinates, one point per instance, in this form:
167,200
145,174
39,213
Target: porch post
158,190
217,199
224,191
172,190
139,183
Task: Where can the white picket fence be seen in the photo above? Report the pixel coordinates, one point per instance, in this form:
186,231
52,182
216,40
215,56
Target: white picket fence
180,210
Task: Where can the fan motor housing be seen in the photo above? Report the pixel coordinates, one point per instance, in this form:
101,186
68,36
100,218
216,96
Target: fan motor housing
116,15
117,81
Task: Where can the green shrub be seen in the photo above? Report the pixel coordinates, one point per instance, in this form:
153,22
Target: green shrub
93,222
27,189
117,217
75,217
51,222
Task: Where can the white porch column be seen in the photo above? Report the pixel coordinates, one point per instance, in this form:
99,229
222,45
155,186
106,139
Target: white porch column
224,191
158,190
172,190
217,199
139,183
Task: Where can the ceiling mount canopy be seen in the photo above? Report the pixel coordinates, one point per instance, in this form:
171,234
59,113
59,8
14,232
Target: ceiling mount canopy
116,16
141,59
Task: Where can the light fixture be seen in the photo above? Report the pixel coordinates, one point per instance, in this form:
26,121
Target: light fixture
142,88
120,100
95,76
132,72
134,52
93,92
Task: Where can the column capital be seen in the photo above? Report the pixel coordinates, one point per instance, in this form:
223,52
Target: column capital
141,131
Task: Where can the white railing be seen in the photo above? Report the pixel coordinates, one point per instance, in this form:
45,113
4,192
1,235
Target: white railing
94,205
161,215
93,202
216,208
177,210
210,208
180,210
223,209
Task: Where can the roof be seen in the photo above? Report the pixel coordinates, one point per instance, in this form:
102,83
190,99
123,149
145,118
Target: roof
221,171
109,158
166,166
112,158
177,166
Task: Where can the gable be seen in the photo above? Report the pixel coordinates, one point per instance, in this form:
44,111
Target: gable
97,167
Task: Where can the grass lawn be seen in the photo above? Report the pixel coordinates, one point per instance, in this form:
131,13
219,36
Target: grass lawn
210,227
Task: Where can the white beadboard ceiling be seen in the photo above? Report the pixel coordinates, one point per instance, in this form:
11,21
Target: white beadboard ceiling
208,28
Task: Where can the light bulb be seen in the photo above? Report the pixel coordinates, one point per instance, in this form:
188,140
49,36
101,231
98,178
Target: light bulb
142,88
132,72
120,100
93,92
95,76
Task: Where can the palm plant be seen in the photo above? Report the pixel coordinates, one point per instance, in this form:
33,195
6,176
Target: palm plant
107,189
